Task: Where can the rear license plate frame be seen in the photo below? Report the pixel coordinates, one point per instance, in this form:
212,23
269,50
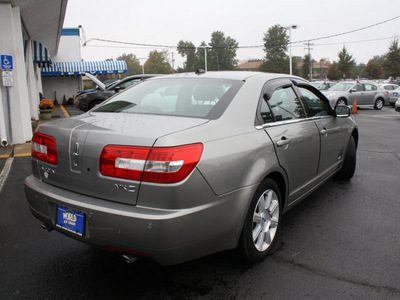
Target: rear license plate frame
70,220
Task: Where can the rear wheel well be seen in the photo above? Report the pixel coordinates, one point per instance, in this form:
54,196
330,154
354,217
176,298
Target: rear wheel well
355,136
280,181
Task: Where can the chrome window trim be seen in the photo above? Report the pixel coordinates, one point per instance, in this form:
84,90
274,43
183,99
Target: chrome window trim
273,124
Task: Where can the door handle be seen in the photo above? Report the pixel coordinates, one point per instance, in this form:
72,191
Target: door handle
324,132
284,141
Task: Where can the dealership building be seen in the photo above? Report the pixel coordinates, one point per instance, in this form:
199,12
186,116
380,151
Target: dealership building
38,57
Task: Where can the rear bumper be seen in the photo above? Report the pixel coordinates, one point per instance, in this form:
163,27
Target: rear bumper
167,236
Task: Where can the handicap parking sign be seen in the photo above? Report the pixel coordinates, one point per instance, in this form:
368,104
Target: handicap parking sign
6,62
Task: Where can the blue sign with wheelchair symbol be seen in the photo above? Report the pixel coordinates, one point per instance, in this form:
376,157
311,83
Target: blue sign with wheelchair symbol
6,62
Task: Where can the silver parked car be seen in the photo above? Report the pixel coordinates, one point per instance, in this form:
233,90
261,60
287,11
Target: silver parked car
366,93
397,105
182,166
323,85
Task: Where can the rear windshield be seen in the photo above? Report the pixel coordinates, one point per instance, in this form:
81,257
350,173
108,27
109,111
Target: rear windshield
188,97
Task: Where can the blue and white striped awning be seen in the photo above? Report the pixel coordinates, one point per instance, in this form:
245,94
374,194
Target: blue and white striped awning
41,55
82,67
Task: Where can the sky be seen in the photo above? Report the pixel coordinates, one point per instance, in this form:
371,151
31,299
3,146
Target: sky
159,22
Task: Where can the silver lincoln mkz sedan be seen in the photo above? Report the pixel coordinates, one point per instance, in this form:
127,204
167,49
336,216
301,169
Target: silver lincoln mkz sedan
185,165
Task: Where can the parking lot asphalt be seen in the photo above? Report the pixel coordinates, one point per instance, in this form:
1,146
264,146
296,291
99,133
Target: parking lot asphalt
342,242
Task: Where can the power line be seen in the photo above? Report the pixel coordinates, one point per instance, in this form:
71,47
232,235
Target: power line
238,47
325,44
351,42
347,32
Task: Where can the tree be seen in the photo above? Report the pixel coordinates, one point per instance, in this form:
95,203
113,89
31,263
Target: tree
189,50
305,68
132,64
295,62
380,59
158,63
222,52
392,60
346,63
359,70
276,43
373,69
333,72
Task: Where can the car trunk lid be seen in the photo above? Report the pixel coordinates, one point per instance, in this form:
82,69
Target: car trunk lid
80,141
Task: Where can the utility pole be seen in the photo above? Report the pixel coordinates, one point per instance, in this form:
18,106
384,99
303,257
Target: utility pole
308,44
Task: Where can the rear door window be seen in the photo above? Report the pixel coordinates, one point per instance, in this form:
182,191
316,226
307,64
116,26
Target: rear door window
370,87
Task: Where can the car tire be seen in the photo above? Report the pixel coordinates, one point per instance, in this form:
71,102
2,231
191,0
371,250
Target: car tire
348,168
94,103
379,103
341,101
262,222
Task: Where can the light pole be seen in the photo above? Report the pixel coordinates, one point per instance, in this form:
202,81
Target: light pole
142,59
290,27
205,56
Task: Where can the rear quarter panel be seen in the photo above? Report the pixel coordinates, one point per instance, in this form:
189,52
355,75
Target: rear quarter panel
235,154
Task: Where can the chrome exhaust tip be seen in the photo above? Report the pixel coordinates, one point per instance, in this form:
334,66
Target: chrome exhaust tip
129,259
46,227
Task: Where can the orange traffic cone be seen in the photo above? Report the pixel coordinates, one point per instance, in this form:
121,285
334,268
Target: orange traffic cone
354,108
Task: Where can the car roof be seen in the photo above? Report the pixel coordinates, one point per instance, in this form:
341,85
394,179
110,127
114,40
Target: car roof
230,75
140,76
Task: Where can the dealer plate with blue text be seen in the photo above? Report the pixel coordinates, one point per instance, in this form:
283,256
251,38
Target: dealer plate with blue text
70,220
395,94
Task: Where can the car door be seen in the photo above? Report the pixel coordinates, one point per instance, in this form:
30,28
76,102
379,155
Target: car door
296,139
356,92
331,129
370,93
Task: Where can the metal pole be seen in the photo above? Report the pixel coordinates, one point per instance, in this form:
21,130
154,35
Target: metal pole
290,50
205,58
309,54
9,136
3,126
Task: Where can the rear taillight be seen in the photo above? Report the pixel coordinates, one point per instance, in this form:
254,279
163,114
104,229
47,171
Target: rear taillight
160,165
43,147
387,92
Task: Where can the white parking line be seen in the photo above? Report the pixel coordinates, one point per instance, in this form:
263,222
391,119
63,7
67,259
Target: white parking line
6,171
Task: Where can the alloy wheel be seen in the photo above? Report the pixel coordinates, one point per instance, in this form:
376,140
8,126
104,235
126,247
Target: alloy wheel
265,220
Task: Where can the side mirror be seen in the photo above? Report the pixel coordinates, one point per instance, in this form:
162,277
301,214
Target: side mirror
342,111
353,90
